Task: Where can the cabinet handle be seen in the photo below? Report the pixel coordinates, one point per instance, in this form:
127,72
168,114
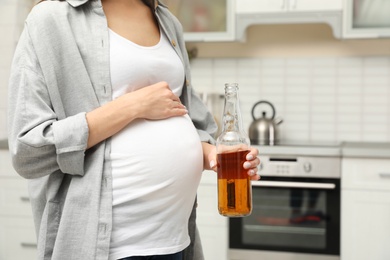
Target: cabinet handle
302,185
283,6
293,4
25,199
384,174
29,245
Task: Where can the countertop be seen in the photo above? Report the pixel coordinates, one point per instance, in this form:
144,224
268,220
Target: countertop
344,149
365,150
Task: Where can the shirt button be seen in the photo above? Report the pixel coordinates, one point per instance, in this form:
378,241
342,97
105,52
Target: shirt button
187,83
173,43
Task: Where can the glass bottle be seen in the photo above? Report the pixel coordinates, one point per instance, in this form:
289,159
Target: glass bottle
234,185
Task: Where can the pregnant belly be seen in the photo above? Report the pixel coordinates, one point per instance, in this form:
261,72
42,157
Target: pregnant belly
158,160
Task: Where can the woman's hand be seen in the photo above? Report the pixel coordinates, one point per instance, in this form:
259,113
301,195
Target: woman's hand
210,160
157,101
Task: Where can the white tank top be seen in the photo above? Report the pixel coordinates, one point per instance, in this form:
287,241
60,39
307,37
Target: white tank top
156,164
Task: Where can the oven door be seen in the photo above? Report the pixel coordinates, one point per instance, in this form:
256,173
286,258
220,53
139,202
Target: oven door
299,215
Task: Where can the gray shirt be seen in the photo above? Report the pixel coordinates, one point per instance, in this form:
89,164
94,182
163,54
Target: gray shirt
61,71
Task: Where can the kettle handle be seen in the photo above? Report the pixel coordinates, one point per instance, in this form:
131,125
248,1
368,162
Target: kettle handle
260,102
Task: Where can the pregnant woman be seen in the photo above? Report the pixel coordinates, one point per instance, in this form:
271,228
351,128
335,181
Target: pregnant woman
104,122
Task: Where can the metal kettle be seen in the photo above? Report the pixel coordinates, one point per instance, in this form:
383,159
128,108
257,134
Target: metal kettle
264,130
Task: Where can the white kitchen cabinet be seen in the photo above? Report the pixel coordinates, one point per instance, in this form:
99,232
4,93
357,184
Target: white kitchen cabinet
277,6
365,209
17,234
365,225
6,169
17,239
261,6
366,19
205,20
315,5
213,228
252,12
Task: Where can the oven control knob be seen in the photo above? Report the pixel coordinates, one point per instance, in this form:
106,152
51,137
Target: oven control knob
307,167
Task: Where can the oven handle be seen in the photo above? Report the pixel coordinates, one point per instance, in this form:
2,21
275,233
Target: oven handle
287,184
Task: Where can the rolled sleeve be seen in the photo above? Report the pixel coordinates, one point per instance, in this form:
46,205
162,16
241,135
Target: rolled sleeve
70,148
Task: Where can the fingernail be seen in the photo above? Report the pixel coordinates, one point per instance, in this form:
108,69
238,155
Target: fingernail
212,164
251,172
249,157
247,165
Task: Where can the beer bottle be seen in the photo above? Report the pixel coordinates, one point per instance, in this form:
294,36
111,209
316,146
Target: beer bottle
234,185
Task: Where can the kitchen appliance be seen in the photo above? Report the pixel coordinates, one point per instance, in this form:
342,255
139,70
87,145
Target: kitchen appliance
264,130
296,206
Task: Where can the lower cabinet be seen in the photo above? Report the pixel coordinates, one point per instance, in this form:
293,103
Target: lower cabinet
17,233
365,209
365,225
213,228
17,239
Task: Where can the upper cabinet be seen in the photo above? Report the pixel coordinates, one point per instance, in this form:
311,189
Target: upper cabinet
366,18
228,20
205,20
276,6
250,12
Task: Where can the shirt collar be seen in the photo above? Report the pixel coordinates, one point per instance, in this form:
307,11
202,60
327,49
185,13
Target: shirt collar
76,3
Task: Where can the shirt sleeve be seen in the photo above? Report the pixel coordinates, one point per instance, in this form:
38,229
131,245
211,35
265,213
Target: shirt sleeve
39,143
201,117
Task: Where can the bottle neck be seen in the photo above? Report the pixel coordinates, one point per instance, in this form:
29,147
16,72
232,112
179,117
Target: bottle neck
231,114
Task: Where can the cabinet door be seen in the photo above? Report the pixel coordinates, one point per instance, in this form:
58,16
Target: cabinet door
366,174
273,6
205,20
315,5
6,168
365,225
371,13
366,18
213,228
14,199
261,6
17,239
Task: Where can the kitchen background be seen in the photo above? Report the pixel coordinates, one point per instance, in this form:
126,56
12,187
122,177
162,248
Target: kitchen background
325,89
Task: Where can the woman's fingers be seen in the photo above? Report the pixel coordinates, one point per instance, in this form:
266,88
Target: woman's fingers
157,101
252,163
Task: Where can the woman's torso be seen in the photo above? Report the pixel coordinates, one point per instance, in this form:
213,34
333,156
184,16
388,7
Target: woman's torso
156,164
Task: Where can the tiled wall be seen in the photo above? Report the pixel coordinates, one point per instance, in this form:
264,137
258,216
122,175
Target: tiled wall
320,99
12,15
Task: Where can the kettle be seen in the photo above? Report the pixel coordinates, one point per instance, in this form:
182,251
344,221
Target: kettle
264,130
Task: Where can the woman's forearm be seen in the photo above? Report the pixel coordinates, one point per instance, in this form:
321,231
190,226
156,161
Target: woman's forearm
109,119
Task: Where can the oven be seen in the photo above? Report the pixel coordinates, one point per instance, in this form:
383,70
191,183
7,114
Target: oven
296,210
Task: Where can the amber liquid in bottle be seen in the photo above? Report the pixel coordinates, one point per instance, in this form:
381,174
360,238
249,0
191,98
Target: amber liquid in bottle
234,186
